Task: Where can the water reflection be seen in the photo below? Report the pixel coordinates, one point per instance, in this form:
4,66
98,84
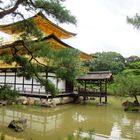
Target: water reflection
56,123
79,118
115,132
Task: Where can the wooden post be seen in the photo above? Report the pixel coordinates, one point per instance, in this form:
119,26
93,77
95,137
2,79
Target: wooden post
106,91
57,81
5,77
15,81
85,91
100,92
32,85
23,84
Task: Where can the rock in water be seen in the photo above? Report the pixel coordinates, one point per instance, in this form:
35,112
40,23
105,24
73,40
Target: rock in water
18,125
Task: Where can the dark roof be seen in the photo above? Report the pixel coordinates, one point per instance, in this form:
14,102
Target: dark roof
97,75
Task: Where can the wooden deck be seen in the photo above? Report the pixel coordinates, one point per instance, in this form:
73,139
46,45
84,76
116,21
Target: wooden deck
44,95
92,94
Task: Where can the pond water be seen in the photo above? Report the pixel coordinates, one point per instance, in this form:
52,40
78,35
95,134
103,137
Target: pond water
57,123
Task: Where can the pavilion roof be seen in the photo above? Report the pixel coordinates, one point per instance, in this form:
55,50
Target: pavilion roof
52,40
46,26
57,43
96,75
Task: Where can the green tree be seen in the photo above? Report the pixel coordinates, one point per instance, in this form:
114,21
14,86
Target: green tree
105,61
56,10
68,64
135,21
127,85
132,59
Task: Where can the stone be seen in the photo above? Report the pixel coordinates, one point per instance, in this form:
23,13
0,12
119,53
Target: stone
4,103
21,99
43,101
66,100
18,125
25,102
127,104
37,102
31,101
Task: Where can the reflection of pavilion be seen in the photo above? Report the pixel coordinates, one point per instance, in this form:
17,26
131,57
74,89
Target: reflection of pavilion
39,123
79,118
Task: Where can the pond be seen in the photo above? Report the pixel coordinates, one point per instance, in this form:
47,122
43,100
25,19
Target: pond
57,123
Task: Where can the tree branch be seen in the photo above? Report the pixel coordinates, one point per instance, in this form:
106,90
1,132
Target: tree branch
11,10
32,57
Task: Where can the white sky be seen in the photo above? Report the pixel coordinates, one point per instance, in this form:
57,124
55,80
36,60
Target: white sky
102,26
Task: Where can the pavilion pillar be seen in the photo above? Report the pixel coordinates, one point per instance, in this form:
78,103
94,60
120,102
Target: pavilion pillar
100,91
23,84
15,80
5,77
32,86
106,91
85,91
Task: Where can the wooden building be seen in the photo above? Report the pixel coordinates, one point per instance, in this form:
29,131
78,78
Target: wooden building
94,84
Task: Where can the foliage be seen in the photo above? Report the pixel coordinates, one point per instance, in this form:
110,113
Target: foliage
106,61
68,65
135,65
131,59
135,21
127,85
6,93
53,8
49,87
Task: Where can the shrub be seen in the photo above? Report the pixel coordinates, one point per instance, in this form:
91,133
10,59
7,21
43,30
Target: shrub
6,93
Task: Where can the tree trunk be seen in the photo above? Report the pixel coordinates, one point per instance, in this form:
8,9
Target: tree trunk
136,102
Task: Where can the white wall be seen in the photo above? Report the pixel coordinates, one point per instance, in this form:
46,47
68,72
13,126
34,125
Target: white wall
10,79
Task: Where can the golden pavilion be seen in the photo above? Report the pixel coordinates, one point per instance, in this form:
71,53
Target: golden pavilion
53,35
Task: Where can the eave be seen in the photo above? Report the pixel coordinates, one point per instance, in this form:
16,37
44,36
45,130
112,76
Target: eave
54,42
46,26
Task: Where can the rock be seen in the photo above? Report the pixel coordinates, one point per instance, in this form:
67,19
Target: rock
21,99
136,103
43,101
31,101
127,104
66,100
52,103
25,102
37,102
18,125
4,103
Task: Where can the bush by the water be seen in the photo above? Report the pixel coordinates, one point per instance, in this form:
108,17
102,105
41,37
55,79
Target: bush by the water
6,93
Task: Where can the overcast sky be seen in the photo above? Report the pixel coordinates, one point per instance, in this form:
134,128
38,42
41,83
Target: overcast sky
102,26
